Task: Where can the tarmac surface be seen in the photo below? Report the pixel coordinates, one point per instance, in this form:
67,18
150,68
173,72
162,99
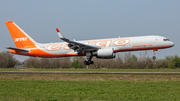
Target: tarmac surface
89,73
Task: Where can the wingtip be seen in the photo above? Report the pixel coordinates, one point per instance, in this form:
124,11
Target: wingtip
57,30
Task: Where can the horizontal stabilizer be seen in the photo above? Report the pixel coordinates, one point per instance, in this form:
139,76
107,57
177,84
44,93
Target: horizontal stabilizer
17,49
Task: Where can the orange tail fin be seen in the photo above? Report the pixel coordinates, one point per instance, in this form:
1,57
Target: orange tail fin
20,38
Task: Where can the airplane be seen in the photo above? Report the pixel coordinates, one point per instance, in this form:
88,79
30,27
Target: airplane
101,48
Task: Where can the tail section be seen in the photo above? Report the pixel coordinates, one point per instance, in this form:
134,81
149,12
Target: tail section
20,38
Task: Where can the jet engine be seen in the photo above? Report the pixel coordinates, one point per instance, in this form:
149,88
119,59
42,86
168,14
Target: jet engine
105,53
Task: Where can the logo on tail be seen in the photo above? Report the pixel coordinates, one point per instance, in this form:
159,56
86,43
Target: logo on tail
20,39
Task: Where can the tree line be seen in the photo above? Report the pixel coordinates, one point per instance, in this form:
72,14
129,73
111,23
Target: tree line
7,60
122,61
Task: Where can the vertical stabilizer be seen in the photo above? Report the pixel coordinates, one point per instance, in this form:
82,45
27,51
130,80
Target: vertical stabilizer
20,38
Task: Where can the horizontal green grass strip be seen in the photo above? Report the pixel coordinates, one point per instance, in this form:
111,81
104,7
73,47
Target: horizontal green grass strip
20,90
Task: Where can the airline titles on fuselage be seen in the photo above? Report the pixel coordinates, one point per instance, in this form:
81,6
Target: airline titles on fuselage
102,43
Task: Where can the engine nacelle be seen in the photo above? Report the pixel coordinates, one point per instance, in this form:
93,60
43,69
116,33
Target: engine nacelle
105,53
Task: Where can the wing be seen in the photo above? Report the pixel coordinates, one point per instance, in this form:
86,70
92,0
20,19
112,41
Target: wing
79,47
17,49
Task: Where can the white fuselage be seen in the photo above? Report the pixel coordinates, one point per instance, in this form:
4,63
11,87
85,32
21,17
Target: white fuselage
118,44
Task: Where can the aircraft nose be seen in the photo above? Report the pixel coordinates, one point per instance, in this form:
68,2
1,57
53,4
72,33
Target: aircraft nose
172,44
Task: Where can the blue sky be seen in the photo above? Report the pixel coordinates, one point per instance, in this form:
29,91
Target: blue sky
93,19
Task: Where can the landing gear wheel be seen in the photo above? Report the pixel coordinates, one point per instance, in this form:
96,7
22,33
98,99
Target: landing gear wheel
154,57
88,62
91,62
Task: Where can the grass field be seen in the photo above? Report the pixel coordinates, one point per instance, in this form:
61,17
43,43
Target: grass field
94,70
17,90
14,87
8,69
89,77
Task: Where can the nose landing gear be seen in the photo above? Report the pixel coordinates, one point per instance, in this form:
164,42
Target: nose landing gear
154,57
154,53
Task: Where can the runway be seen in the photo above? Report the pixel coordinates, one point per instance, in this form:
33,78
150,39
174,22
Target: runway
89,73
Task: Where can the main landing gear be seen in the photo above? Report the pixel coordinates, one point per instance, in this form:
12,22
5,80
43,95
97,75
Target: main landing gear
154,53
89,56
88,62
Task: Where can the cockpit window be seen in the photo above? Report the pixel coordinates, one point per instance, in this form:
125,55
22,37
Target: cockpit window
166,40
